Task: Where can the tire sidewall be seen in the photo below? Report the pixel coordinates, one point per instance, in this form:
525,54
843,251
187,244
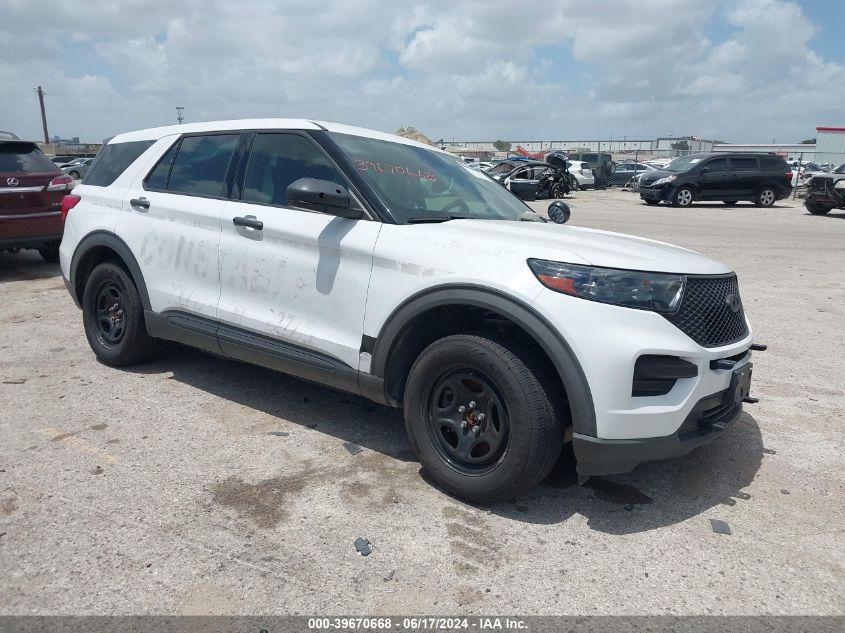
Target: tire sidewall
123,351
675,197
440,358
759,200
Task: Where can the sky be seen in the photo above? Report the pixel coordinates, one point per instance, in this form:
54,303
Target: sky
734,70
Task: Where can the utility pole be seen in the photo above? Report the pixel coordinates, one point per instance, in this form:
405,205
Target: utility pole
179,117
40,93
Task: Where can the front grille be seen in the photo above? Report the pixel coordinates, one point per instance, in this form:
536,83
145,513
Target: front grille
704,314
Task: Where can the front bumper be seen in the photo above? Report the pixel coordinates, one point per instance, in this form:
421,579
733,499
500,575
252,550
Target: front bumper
654,193
704,424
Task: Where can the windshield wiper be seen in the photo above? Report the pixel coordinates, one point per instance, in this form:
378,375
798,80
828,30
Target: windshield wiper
437,218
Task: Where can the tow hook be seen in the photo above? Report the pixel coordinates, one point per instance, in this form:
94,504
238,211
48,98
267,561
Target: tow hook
758,347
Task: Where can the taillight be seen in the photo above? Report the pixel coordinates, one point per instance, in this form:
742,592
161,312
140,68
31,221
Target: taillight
68,203
60,183
789,176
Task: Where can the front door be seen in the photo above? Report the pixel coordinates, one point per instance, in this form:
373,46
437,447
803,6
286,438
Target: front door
523,182
296,278
717,180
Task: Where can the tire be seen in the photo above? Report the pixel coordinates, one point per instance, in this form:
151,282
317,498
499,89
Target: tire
682,198
50,252
520,435
74,175
651,203
816,208
729,203
766,197
113,317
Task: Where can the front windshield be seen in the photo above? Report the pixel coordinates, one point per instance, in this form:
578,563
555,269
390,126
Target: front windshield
422,184
683,163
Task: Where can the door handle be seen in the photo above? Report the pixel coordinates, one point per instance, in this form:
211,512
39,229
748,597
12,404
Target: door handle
140,203
249,222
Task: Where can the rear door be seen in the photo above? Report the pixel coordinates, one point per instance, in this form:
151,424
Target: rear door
716,180
300,280
171,221
747,176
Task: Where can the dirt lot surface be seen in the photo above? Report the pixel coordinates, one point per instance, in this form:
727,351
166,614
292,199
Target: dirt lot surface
196,485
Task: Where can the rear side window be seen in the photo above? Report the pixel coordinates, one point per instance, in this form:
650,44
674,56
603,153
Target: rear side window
201,164
161,172
24,157
744,164
278,160
112,160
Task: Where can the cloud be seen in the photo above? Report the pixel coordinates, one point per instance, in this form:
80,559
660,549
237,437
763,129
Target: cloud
740,70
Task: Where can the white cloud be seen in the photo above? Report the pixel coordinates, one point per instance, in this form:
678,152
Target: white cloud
453,69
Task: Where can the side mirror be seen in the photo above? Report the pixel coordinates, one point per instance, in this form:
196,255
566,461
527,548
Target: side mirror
705,170
559,212
322,195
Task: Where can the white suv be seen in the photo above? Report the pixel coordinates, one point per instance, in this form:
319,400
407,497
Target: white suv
384,267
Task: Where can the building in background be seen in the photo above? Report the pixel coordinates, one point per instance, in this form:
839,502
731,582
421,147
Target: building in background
804,152
830,145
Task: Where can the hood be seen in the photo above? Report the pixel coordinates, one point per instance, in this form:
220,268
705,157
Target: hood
502,239
649,177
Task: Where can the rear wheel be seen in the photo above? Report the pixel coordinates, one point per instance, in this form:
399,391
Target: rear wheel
816,208
766,197
682,197
50,252
113,317
481,419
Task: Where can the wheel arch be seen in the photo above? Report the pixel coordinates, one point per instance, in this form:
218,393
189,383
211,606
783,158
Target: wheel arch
96,248
395,336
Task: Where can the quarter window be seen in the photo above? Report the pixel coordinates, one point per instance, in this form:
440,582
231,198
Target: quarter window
201,164
277,161
112,160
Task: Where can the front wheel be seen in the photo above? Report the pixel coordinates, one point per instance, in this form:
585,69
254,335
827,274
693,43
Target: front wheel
113,316
682,197
74,175
766,197
480,419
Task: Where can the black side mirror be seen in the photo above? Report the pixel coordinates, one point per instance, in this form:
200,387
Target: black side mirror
559,212
704,170
322,195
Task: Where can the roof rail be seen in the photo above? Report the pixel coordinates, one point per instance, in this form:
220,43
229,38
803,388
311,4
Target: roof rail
9,136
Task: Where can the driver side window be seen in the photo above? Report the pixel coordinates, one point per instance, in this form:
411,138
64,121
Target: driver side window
278,160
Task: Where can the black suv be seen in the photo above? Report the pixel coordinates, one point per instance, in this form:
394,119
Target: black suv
758,178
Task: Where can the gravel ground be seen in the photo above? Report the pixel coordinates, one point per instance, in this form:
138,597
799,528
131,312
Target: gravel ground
196,485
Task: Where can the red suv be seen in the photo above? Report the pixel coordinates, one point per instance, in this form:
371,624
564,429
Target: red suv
31,192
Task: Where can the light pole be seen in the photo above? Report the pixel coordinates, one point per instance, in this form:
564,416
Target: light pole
179,111
40,93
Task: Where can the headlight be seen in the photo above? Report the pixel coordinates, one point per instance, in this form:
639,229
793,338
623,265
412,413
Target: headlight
659,292
664,181
840,184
